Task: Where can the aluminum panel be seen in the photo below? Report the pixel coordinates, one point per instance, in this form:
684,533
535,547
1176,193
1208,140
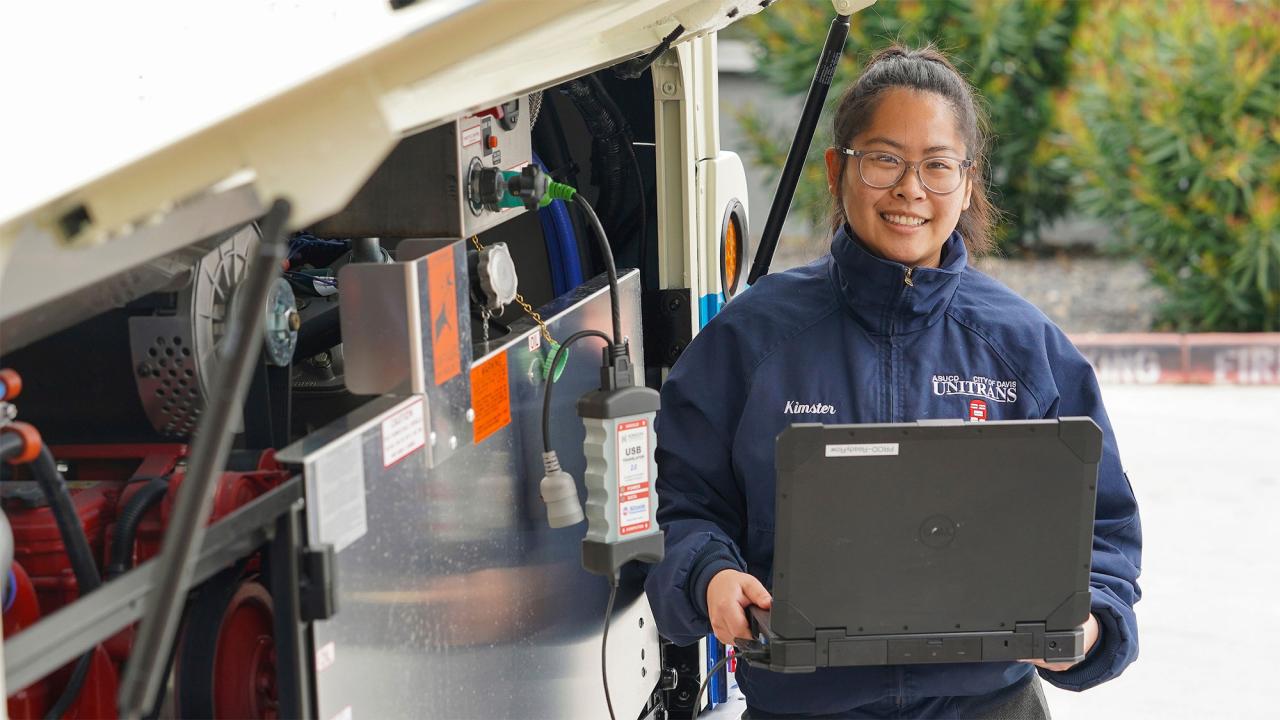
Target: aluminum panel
406,330
459,601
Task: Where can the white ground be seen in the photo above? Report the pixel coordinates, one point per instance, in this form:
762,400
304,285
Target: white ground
1204,464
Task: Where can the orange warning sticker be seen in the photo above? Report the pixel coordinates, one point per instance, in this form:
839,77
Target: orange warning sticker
443,303
490,397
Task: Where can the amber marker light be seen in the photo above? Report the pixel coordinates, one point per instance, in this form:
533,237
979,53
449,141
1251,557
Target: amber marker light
733,232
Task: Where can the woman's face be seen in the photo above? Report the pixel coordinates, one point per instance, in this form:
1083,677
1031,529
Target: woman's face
913,125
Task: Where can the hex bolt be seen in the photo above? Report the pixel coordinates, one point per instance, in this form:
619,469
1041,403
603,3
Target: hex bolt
432,438
453,442
668,88
471,415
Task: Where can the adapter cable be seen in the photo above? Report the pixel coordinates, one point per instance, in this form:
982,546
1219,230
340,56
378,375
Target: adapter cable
604,644
619,419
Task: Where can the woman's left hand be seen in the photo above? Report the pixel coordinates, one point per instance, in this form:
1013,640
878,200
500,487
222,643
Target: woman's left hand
1090,639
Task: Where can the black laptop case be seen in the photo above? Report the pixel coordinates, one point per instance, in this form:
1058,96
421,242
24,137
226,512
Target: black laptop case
930,542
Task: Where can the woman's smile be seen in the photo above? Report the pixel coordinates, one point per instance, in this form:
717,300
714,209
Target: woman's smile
904,223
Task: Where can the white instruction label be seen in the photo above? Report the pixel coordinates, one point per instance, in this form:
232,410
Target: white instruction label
471,136
535,342
326,656
862,450
633,477
338,492
403,433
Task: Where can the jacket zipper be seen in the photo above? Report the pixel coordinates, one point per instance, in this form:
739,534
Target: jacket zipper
907,282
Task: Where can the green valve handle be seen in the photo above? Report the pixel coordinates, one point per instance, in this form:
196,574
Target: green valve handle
553,347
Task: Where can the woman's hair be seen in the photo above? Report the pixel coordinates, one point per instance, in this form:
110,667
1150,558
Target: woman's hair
926,70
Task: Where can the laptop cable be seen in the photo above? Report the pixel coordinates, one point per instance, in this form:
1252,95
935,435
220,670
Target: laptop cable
697,699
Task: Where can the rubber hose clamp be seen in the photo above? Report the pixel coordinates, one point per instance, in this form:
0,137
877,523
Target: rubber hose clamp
12,383
30,438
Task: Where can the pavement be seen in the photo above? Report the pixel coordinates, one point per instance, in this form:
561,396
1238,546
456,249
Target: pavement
1204,464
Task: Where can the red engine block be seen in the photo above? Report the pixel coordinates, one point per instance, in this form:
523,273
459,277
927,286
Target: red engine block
102,479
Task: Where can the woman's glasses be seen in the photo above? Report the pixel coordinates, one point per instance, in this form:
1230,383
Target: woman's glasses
881,169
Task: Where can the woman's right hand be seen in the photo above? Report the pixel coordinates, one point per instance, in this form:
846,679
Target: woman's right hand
728,595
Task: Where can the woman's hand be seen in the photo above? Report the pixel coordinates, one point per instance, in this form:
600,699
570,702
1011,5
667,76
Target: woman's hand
1090,639
728,595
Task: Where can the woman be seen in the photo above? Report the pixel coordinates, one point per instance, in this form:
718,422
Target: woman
886,328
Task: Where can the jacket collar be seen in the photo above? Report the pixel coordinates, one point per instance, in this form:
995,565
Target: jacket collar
875,292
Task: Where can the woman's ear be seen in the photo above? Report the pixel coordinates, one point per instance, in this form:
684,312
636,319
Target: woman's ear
835,159
968,192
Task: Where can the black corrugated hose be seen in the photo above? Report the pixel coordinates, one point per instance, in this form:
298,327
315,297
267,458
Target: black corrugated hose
126,530
613,157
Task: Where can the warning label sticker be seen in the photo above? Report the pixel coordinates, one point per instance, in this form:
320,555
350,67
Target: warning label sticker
490,397
403,433
471,135
326,657
336,490
445,354
633,477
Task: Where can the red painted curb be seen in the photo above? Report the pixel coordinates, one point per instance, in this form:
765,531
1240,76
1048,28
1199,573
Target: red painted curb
1198,358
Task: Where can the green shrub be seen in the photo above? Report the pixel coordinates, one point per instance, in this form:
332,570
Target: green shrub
1174,123
1014,51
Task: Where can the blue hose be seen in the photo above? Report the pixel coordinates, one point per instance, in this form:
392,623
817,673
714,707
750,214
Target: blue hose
11,590
556,264
568,244
562,244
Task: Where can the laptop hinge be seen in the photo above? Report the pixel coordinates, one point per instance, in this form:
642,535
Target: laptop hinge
822,638
1036,631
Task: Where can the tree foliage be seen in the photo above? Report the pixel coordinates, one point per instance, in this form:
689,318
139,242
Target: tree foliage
1015,52
1175,128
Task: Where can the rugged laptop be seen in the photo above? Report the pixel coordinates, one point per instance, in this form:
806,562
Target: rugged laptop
938,541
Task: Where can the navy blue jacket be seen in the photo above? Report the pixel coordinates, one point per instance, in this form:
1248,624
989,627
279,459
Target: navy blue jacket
846,340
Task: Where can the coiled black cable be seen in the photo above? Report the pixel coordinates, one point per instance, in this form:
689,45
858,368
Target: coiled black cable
613,157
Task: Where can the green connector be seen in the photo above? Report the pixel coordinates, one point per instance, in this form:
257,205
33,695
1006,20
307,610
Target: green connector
523,186
552,347
509,200
557,191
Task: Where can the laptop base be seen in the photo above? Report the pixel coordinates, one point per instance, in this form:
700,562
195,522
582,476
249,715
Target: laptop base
835,648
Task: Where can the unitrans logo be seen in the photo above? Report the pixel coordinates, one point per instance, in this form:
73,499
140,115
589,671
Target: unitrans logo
1002,391
796,408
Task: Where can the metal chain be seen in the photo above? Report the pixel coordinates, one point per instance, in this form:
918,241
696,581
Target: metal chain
475,240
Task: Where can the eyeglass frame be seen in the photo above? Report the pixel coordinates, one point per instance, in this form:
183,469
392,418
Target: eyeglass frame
965,165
